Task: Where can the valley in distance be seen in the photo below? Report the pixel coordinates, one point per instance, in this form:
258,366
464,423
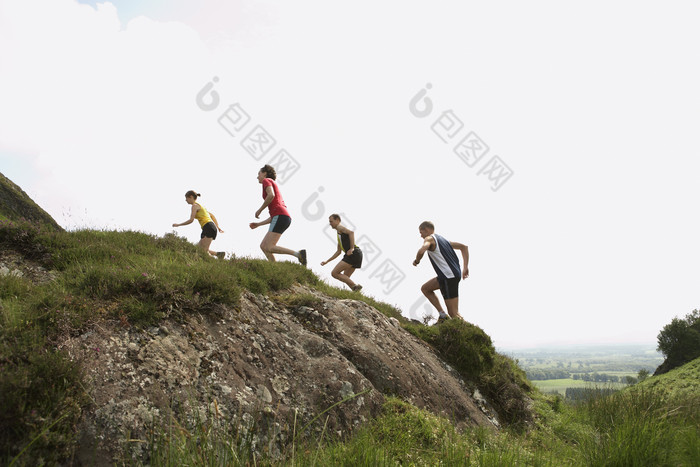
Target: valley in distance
612,366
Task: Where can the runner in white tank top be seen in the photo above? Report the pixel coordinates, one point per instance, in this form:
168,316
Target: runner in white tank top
443,257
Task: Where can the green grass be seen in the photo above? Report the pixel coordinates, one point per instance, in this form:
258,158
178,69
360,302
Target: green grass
642,427
344,294
677,382
470,351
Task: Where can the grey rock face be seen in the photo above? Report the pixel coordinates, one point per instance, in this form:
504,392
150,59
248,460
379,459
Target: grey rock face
263,368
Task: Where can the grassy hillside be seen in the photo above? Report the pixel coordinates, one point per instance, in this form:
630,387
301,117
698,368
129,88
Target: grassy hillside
16,205
678,382
138,280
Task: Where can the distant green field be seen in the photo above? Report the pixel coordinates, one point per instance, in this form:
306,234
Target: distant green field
560,385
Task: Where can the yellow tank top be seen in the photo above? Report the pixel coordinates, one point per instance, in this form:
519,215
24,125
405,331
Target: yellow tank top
202,215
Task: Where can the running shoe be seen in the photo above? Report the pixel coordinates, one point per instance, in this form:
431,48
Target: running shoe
442,319
357,288
302,257
220,254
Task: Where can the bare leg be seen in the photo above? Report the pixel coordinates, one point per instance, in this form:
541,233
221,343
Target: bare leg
269,246
342,271
205,243
429,289
453,308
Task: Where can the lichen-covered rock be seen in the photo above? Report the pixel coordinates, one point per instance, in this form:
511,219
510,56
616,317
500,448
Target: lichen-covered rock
263,368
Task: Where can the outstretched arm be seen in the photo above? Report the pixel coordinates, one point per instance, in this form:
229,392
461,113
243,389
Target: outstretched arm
335,255
465,256
195,208
426,246
254,225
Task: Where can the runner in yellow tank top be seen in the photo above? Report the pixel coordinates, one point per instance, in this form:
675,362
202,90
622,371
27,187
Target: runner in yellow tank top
202,215
206,220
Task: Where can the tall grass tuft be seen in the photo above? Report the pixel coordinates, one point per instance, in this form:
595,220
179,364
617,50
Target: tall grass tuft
641,427
41,401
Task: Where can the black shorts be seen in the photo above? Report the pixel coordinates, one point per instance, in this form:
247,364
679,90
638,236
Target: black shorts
209,230
449,287
280,223
355,259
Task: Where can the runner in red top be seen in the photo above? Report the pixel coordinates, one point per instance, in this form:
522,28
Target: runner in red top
279,219
277,206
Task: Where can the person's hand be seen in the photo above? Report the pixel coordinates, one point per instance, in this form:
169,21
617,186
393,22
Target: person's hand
257,213
350,251
465,273
220,230
416,262
176,225
323,263
253,225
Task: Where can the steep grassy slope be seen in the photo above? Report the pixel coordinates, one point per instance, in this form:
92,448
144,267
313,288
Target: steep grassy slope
680,381
15,204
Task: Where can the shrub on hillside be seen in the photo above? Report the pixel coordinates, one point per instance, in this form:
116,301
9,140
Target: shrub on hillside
470,350
41,401
24,237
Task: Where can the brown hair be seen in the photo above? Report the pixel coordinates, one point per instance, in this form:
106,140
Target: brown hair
269,171
427,225
335,216
193,194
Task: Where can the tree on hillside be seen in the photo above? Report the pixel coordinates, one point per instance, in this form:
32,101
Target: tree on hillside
642,375
679,342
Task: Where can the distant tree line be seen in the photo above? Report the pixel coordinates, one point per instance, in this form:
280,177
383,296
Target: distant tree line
582,394
599,378
538,374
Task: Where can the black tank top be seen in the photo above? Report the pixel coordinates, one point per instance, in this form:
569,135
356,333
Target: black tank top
344,241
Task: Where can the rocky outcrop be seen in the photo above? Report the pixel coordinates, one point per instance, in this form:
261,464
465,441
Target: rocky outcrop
263,369
14,264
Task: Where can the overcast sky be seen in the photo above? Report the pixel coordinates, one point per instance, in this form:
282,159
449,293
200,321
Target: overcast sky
558,140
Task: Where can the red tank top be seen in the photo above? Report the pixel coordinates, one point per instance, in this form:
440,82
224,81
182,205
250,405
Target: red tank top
277,206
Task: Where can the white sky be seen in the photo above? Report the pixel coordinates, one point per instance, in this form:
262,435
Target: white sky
593,106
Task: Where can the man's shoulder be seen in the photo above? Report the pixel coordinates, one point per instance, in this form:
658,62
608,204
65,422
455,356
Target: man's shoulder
441,238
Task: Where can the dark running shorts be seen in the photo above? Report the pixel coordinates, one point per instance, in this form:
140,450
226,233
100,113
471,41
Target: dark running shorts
355,259
280,223
449,287
209,230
